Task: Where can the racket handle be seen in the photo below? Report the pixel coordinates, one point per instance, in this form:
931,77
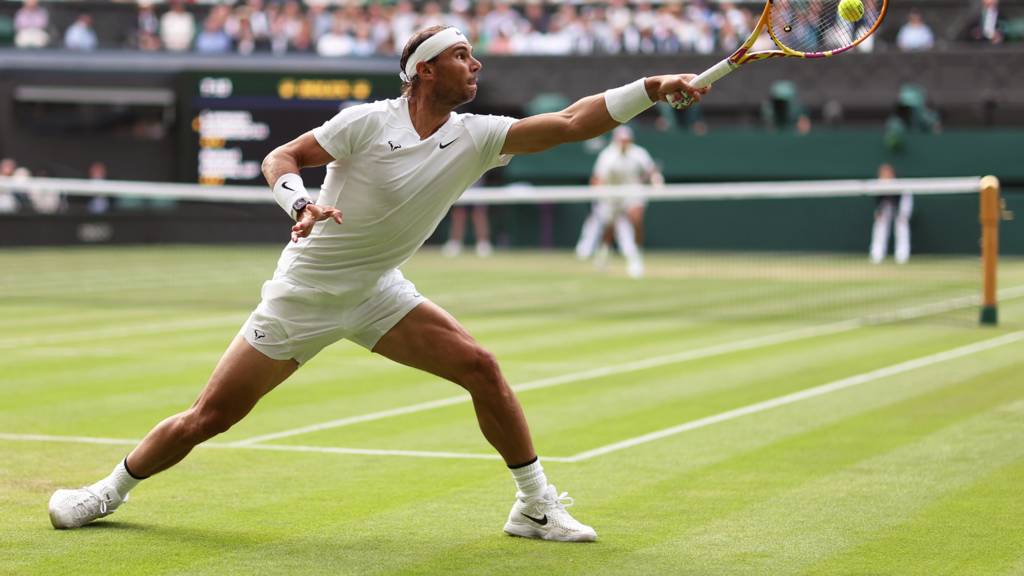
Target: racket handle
706,78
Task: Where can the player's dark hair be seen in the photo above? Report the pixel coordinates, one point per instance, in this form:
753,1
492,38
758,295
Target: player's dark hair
410,47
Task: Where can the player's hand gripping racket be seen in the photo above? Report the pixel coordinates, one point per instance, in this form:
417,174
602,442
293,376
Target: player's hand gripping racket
800,29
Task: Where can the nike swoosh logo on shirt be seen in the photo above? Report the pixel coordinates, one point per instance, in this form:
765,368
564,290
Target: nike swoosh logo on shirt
443,146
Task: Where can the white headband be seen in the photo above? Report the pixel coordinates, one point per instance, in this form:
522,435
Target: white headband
429,49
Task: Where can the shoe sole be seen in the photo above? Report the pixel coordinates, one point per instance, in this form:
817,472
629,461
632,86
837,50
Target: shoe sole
527,531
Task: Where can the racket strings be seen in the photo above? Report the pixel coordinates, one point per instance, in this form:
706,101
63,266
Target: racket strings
816,26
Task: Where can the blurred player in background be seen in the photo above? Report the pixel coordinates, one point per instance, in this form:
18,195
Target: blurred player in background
899,207
457,231
8,202
394,169
621,163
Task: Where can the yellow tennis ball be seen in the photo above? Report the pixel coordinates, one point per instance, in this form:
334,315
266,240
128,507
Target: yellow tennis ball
851,10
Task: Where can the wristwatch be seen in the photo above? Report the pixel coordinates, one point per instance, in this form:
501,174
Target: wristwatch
299,205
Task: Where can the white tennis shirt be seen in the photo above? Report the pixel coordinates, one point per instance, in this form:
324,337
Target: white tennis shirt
615,168
392,188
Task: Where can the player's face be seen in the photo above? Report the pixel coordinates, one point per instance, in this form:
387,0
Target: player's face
624,142
457,74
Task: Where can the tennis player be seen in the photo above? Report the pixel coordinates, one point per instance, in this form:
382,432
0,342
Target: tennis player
621,163
890,208
394,167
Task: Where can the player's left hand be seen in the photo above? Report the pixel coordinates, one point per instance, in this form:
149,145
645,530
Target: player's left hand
674,88
310,215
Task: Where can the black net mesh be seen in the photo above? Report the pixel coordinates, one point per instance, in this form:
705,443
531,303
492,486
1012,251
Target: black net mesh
822,25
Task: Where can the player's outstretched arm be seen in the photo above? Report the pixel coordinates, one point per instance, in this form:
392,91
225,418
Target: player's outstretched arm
594,115
656,178
281,169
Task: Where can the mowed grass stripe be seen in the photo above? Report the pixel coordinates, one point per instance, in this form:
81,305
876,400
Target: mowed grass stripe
442,403
973,530
859,501
350,512
145,372
234,511
79,373
146,358
189,385
718,515
627,527
117,332
336,529
713,397
607,408
549,382
454,414
35,319
533,355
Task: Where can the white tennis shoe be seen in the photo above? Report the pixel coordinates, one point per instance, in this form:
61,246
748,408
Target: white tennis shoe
546,518
75,508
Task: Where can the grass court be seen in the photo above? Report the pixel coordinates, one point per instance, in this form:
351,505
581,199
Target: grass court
729,414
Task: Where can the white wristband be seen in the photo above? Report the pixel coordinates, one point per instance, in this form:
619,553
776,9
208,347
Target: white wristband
627,101
287,190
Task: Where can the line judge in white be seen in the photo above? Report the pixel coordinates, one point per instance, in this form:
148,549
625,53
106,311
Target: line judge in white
394,167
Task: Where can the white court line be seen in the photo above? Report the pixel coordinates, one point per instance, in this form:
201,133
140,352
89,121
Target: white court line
134,328
69,439
678,358
805,394
814,392
365,451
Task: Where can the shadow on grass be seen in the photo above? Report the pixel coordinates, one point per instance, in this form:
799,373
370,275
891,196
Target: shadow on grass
170,533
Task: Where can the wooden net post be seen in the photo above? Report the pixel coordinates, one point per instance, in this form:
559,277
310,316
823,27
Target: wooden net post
991,212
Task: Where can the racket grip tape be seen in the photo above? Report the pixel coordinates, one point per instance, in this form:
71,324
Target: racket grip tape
706,78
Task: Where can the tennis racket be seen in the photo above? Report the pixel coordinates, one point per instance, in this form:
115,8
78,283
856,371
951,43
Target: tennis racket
799,29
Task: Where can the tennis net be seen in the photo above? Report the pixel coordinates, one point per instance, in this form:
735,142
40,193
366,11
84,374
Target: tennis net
750,250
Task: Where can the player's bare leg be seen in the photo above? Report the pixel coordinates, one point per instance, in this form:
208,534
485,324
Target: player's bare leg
636,218
456,232
482,229
626,239
430,339
589,235
240,379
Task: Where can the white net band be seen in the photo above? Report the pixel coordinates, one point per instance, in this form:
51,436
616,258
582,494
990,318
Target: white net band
525,194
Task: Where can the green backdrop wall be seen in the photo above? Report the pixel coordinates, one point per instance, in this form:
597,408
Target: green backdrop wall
941,225
744,154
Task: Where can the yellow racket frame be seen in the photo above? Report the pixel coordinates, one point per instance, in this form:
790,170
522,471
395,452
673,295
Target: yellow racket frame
742,55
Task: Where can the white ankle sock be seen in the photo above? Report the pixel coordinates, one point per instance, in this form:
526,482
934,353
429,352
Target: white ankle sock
119,479
530,479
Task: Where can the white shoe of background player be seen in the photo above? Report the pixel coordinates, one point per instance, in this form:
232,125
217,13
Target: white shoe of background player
635,269
75,508
601,257
546,518
451,249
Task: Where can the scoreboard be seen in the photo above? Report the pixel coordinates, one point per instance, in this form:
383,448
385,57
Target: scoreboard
233,119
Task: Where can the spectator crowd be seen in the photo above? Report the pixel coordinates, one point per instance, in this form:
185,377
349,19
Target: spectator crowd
495,27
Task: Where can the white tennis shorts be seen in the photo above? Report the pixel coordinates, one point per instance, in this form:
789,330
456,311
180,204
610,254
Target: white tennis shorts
297,321
608,208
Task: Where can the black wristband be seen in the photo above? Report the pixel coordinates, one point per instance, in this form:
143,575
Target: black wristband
299,205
